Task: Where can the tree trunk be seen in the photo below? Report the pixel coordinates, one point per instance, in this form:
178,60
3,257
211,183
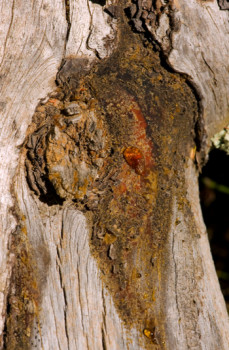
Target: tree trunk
107,111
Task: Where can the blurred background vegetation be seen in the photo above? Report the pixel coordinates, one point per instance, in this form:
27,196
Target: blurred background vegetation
214,196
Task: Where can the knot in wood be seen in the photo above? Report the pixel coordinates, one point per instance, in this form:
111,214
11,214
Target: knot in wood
68,152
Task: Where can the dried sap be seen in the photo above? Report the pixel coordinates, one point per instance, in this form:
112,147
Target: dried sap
135,159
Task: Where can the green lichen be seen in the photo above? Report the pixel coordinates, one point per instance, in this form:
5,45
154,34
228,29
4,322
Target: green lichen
221,140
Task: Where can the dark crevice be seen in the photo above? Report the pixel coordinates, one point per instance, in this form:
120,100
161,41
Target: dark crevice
67,12
65,314
65,299
113,11
5,329
104,322
103,340
99,2
51,197
200,135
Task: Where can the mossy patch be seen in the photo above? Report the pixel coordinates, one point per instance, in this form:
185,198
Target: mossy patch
24,296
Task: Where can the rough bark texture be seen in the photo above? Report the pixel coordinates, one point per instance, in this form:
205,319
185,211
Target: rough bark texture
102,241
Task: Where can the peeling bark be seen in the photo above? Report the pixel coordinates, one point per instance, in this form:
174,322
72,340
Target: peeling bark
103,245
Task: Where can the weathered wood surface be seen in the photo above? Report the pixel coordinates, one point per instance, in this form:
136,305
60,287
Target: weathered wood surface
74,310
75,306
32,46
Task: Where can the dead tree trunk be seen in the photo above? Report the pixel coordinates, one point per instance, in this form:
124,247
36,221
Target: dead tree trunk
107,111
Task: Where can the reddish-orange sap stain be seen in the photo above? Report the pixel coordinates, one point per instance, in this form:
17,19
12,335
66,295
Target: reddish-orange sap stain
134,158
140,156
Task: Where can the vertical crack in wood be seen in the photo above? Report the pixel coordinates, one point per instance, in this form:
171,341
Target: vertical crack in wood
62,284
68,19
65,315
104,328
175,270
103,341
90,31
65,303
81,307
